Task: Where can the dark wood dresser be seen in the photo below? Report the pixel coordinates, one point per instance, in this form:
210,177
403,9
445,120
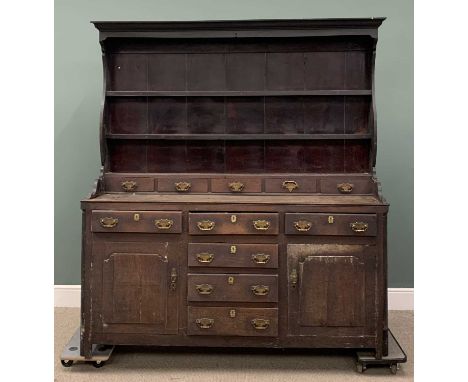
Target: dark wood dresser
237,204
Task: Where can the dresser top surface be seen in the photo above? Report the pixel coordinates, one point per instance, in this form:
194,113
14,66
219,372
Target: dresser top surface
369,200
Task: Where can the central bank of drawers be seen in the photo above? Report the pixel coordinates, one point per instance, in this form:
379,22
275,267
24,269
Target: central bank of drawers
217,300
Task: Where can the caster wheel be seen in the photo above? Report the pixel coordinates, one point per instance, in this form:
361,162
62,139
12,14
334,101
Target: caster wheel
394,368
98,364
66,362
360,367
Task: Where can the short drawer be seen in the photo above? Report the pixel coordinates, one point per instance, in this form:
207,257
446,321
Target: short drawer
222,223
236,185
232,321
128,184
291,185
137,221
233,255
232,287
331,224
182,185
346,186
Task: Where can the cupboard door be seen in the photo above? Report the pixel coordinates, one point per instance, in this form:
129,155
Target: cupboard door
331,289
139,288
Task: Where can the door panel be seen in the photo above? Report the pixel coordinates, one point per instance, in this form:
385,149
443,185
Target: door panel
331,289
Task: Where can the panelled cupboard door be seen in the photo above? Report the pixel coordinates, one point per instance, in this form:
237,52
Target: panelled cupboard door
331,289
140,284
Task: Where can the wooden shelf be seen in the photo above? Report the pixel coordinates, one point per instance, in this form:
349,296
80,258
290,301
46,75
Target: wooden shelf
259,93
238,137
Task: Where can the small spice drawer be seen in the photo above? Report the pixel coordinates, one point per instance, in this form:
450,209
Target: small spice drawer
232,321
233,255
236,185
291,185
182,185
223,223
346,186
331,224
128,184
232,287
136,221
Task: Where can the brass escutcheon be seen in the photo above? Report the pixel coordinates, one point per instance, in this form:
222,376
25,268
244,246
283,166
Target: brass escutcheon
231,280
136,217
233,249
290,185
182,186
261,225
331,220
205,257
260,323
163,223
204,288
302,225
233,218
236,186
232,313
109,222
129,185
359,226
345,188
260,258
204,323
293,278
205,225
260,290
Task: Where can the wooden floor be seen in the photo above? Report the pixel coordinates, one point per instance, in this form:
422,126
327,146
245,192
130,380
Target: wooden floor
129,364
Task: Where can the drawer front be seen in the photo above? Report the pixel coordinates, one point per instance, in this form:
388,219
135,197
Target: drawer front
222,223
129,184
236,185
331,224
346,186
291,185
232,287
233,255
137,221
232,321
182,185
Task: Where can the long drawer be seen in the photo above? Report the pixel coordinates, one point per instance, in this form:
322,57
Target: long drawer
232,321
223,223
136,221
232,287
331,224
233,255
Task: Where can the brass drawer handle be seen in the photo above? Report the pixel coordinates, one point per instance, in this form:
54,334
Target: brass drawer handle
236,186
290,185
359,226
205,257
293,278
173,284
261,225
260,258
109,222
204,323
204,288
260,290
345,188
205,225
302,225
182,186
260,323
129,185
164,223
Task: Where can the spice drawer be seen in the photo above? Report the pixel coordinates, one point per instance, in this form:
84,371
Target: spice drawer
233,255
182,185
232,321
223,223
136,221
129,184
291,184
232,287
236,185
348,186
331,224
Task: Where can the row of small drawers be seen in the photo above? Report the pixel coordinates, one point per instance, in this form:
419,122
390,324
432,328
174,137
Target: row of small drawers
238,185
244,223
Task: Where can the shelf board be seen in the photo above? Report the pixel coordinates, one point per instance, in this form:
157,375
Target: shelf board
238,137
253,93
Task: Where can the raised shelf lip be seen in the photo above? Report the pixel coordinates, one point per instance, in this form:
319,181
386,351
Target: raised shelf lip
233,93
239,137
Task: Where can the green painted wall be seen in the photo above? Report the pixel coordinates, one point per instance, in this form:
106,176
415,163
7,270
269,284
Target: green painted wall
78,96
